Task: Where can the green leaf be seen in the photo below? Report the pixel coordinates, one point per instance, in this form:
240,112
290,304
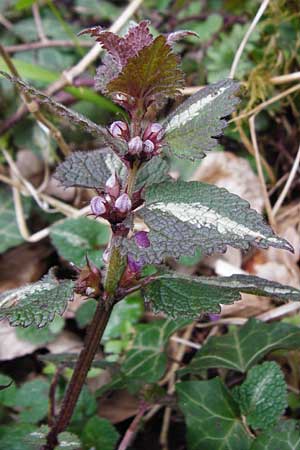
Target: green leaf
12,436
285,436
99,434
262,397
72,117
179,295
192,128
147,359
212,416
153,72
9,230
36,304
42,335
77,238
92,169
184,216
245,346
67,441
32,399
7,392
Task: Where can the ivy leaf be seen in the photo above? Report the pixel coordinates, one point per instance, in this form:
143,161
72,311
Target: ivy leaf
36,304
185,216
12,435
245,346
212,416
77,238
92,169
147,359
32,399
192,128
285,436
9,230
66,440
185,296
153,72
262,397
99,434
72,117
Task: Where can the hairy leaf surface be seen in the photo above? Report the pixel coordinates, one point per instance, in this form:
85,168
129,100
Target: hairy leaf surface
154,71
66,440
178,295
72,117
92,169
212,416
191,130
245,346
262,397
185,216
36,304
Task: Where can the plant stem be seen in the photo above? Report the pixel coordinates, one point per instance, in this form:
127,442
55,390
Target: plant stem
94,335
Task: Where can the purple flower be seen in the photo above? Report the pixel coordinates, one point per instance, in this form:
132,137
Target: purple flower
112,185
134,265
119,129
135,145
149,147
141,239
98,206
214,317
123,203
154,132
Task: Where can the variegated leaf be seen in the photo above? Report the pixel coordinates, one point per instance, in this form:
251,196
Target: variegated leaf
191,130
185,216
72,117
36,304
92,169
183,296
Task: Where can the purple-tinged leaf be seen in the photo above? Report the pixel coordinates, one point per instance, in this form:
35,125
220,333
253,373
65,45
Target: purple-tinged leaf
153,72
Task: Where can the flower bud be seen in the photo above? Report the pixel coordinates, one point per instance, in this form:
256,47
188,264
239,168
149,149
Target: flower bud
119,129
135,145
141,239
112,185
149,147
134,265
123,203
98,206
154,132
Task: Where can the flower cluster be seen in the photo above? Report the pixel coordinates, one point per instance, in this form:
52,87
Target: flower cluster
142,147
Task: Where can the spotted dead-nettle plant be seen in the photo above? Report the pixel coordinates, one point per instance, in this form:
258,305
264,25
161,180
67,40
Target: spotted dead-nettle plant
151,216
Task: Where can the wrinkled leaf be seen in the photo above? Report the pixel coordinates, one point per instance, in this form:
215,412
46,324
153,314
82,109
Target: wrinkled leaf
262,397
179,295
285,436
212,416
245,346
99,434
185,216
191,130
154,71
92,169
36,304
9,231
72,117
77,238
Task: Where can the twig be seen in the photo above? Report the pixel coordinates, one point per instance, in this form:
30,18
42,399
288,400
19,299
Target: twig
281,79
52,392
44,44
68,76
260,172
186,342
269,102
245,39
6,23
33,106
38,22
288,183
133,428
